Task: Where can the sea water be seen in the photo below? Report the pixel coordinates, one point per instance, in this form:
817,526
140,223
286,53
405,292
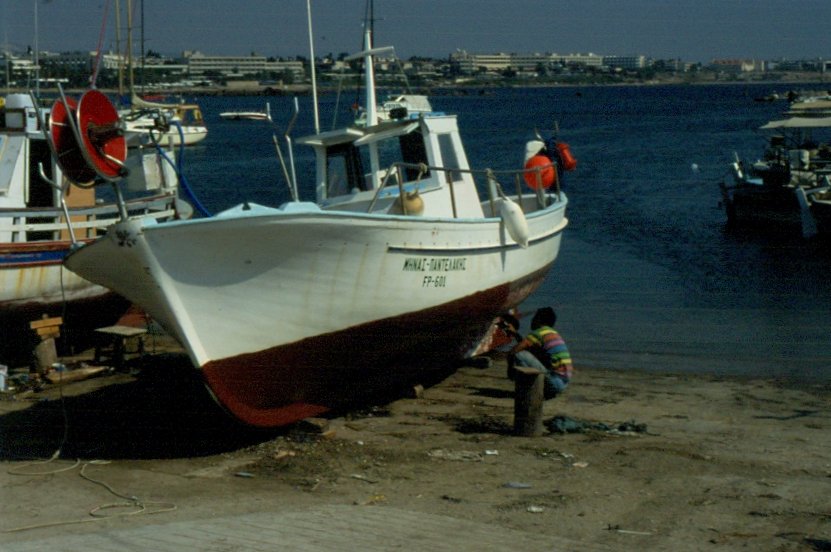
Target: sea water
648,277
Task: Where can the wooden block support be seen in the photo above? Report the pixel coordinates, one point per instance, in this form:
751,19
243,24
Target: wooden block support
113,339
47,328
528,401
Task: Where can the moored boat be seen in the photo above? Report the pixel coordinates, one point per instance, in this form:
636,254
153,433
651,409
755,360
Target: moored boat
36,199
396,270
163,123
775,191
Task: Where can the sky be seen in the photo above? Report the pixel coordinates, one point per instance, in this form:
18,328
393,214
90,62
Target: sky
692,30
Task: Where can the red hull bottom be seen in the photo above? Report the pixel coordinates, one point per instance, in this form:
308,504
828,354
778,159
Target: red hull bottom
285,384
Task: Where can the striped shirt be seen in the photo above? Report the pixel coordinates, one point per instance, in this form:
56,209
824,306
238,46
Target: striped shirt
554,346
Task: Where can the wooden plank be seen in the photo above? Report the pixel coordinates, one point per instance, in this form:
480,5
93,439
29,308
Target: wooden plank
122,331
49,331
78,374
44,322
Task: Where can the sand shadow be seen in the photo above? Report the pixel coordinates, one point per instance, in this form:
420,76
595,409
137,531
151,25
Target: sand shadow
164,412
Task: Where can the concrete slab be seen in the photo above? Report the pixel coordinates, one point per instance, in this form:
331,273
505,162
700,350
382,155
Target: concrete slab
331,528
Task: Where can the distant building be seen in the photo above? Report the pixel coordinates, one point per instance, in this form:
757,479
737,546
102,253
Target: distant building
200,64
735,66
625,62
522,63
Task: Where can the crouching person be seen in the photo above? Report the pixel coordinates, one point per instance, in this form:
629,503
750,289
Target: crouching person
543,349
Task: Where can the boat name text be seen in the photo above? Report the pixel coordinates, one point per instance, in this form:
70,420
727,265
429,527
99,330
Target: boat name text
434,264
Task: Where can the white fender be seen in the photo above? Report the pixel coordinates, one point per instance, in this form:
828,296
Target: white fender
809,225
514,220
532,148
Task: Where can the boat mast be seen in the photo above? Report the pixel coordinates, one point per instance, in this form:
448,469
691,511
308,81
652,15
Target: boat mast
130,49
37,55
312,65
141,79
118,50
369,80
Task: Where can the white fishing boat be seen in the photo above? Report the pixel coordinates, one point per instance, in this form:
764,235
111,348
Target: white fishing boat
36,199
163,123
396,270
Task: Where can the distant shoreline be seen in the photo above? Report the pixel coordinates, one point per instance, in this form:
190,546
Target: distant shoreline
305,89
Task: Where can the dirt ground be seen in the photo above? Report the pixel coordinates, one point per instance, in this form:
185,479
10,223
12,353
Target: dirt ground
665,462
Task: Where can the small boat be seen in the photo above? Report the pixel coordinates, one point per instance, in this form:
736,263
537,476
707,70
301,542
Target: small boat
163,123
397,106
245,115
37,199
775,191
395,272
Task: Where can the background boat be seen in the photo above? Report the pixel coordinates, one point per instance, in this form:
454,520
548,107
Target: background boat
34,237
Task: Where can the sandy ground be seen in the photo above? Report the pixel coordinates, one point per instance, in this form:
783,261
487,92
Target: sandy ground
683,463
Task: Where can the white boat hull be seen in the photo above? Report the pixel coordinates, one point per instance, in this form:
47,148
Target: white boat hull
312,309
189,135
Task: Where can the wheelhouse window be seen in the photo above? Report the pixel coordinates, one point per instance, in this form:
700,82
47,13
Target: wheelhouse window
413,152
344,170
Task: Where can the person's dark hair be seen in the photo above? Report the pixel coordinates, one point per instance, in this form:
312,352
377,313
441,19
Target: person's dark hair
544,316
511,320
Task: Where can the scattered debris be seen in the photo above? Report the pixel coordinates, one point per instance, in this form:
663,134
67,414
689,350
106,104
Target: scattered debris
535,509
363,478
280,454
565,424
374,499
617,529
461,455
60,373
516,485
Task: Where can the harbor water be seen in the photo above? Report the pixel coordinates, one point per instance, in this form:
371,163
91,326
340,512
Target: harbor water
648,277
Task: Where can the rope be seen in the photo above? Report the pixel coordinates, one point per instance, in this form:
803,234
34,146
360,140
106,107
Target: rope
138,506
177,167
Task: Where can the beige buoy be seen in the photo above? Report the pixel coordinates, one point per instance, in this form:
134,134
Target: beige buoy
413,203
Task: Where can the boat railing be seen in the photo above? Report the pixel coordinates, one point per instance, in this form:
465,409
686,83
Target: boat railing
493,186
45,223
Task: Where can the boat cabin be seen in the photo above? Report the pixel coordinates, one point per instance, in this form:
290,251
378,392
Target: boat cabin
26,168
369,168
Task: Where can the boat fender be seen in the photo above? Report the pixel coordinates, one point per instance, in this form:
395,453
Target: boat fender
413,203
514,220
532,148
539,171
809,225
567,160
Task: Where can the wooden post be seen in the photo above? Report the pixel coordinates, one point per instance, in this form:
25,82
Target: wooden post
46,354
528,401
